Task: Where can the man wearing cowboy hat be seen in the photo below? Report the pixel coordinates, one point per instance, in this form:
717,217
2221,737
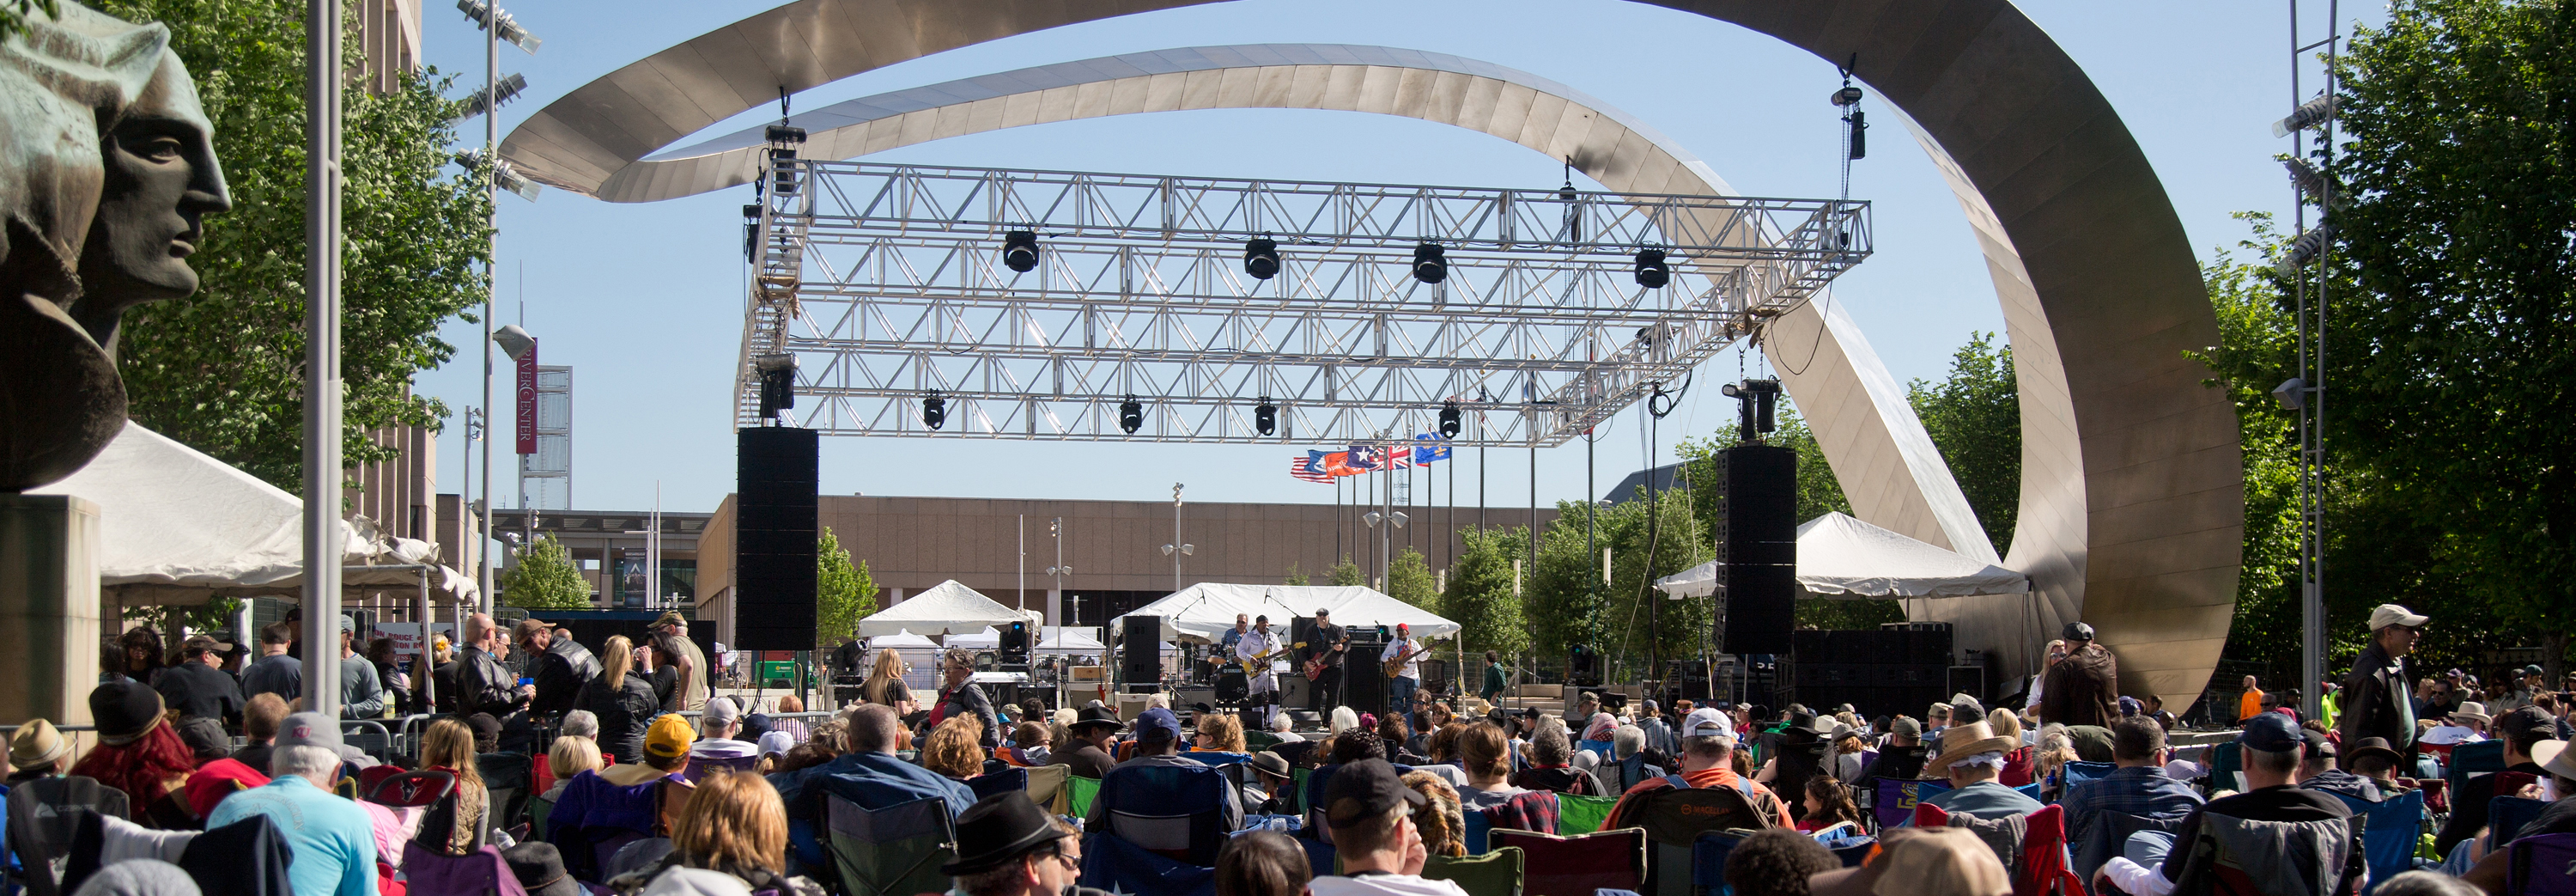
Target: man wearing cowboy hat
2377,702
1972,755
1088,753
1007,846
2465,725
1332,644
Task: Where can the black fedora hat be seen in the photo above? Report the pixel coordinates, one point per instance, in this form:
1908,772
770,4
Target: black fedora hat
997,830
1096,715
540,869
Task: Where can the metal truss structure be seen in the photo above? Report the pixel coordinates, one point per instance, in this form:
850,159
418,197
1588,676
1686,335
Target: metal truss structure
887,284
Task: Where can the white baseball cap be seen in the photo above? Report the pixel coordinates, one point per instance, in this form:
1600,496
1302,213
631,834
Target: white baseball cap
1706,722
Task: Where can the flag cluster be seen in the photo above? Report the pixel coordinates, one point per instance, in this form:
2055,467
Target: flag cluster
1325,466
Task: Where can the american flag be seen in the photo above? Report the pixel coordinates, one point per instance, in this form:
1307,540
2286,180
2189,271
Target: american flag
1297,468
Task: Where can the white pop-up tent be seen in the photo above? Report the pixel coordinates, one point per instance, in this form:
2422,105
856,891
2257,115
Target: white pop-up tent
178,527
1203,612
1060,639
945,607
1841,557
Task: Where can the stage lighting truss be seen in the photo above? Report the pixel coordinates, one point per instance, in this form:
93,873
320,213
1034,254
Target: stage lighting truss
888,282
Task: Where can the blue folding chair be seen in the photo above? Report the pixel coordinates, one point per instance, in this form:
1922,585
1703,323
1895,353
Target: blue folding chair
1009,780
1599,747
1708,863
2507,814
1173,811
1479,834
2030,790
2389,832
2079,772
2471,760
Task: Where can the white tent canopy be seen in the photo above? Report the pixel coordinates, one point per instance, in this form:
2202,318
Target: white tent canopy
945,607
1069,639
178,527
901,640
1841,557
988,639
1206,610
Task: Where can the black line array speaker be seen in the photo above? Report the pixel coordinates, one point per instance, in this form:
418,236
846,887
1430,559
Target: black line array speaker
774,532
1140,650
1757,547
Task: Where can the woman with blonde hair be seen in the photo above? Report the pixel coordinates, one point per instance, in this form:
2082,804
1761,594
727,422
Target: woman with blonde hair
1219,733
622,698
460,823
885,687
733,826
2020,766
954,749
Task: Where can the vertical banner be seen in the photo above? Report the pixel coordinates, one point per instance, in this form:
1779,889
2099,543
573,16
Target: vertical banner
528,399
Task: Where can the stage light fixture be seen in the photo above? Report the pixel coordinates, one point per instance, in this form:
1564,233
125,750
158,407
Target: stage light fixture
777,382
1131,415
2309,114
784,141
1020,251
934,411
1848,96
1265,416
1449,420
1430,263
1261,258
1652,272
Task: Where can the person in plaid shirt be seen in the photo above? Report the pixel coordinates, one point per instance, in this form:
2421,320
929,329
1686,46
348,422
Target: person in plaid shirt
2138,787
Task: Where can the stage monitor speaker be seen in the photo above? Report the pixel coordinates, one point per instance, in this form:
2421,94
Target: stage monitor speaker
1140,654
1757,543
1363,680
774,534
1295,692
1969,680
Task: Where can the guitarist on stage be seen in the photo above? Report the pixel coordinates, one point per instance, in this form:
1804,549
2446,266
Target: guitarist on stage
1403,658
1264,682
1324,669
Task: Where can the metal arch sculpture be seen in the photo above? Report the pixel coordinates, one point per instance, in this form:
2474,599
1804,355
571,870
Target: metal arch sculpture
2132,487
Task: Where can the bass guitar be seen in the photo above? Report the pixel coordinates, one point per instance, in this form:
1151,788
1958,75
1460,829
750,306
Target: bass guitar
1395,667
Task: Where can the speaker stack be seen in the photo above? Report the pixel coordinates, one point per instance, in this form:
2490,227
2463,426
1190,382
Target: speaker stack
1140,651
774,532
1899,668
1363,680
1757,547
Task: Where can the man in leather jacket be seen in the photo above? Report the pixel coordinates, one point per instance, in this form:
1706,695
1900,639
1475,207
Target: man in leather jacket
560,665
2378,697
483,684
2083,688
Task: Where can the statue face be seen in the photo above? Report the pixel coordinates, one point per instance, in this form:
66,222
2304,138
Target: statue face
162,180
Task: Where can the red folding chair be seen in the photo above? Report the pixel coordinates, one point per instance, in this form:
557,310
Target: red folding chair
1577,866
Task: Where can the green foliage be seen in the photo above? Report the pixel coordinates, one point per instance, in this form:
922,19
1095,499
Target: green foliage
2449,363
544,579
1408,579
1480,595
843,594
1346,574
223,371
2255,344
1568,605
1294,579
1974,418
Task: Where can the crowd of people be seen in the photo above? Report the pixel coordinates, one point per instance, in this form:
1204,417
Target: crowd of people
621,771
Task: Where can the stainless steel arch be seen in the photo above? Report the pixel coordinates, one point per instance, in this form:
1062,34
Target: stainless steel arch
2132,495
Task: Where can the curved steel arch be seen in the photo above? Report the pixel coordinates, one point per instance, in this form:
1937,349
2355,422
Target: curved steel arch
2132,486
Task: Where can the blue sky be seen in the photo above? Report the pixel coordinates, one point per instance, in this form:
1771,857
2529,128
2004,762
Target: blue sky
644,301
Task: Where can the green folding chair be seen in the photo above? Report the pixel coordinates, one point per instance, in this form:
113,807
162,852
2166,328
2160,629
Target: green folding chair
1496,873
1579,815
1079,792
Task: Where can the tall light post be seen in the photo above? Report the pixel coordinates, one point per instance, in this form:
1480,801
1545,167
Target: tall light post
323,544
1055,530
1176,550
496,25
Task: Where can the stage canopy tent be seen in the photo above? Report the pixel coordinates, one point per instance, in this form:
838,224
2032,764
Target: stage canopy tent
1203,612
1068,639
1843,558
944,608
178,527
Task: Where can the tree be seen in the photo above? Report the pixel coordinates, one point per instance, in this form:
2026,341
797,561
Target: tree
223,370
1346,574
843,594
544,579
1409,579
2458,174
1974,418
1568,604
1480,595
1294,578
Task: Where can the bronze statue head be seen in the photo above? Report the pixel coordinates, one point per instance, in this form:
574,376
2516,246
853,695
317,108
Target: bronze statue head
162,179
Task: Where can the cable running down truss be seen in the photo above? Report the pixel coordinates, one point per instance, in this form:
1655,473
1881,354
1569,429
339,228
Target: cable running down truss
888,285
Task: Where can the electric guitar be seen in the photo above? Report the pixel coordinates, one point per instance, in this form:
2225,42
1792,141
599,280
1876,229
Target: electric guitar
1260,662
1315,665
1395,667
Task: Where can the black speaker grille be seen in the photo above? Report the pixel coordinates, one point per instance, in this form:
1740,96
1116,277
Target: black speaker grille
1757,542
1140,654
777,471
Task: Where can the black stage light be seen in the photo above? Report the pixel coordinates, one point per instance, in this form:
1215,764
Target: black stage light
1449,420
1430,263
1265,416
1652,272
1131,416
1020,251
1261,258
934,411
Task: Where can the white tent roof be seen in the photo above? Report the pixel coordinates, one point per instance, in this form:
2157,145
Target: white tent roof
902,640
178,527
988,639
1069,639
1839,556
945,607
1206,610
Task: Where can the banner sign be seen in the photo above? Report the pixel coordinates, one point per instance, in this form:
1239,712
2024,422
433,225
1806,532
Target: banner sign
528,400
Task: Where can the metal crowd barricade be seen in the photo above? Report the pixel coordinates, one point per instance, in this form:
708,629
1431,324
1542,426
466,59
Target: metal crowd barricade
379,744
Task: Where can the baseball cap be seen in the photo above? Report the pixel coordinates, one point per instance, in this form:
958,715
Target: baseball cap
1364,790
720,712
669,737
348,625
1157,724
1906,726
1707,723
2271,732
2077,631
2386,615
2522,722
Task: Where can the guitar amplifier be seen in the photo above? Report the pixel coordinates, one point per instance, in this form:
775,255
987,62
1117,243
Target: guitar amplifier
1195,698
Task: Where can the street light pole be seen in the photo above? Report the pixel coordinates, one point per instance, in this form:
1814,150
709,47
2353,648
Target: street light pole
323,543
